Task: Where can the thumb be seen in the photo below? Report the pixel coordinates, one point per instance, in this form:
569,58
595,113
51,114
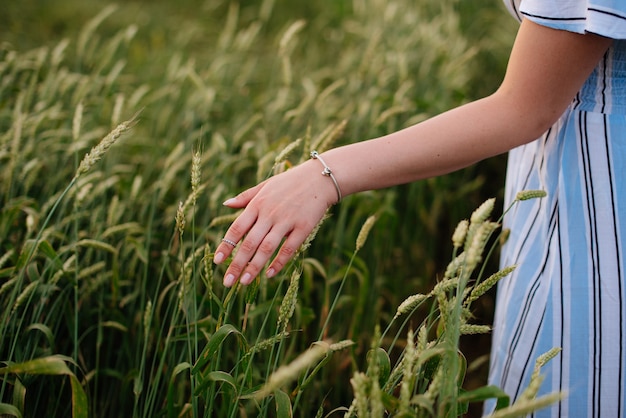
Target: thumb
243,198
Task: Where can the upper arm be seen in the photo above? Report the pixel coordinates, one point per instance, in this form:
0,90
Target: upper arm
546,69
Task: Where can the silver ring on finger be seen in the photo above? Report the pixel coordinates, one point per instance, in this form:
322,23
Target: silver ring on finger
229,242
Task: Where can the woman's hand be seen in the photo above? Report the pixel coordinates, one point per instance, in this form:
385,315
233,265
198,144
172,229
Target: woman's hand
546,69
287,206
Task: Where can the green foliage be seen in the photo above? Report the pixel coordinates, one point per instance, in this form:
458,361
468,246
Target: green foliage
120,139
429,375
56,366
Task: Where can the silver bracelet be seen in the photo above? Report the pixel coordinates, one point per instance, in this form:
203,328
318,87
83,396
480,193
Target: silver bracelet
327,172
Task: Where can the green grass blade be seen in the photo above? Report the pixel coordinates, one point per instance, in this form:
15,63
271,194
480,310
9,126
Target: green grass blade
6,409
486,392
172,386
283,404
80,406
219,377
54,366
214,344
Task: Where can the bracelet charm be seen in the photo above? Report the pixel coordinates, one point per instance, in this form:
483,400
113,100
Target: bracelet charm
328,173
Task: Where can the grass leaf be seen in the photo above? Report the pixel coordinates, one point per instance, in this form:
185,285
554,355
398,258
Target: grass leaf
220,377
52,365
55,365
283,404
486,392
6,409
215,344
80,406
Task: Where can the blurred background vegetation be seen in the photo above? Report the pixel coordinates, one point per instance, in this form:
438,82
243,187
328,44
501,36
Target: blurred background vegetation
211,75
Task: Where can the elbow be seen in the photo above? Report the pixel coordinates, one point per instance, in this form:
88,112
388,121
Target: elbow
530,117
543,119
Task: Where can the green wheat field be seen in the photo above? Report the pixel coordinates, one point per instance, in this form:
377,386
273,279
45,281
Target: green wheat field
123,128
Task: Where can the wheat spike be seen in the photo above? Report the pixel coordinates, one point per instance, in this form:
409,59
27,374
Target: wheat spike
196,162
290,372
180,218
458,237
97,152
341,345
468,329
289,34
409,304
530,194
360,384
479,240
523,408
76,121
288,305
406,388
25,295
117,109
364,232
482,288
6,256
282,156
147,317
307,243
482,213
267,343
455,266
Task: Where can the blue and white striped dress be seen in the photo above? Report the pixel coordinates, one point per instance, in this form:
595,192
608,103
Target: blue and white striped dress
569,289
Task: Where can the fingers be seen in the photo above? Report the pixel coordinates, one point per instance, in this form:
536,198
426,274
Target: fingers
234,234
259,253
283,209
256,249
252,255
243,198
241,226
257,240
286,253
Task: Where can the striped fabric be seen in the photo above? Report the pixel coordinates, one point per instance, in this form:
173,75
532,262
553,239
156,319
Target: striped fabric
569,290
603,17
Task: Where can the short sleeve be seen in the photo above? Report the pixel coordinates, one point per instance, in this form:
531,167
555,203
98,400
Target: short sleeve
602,17
513,8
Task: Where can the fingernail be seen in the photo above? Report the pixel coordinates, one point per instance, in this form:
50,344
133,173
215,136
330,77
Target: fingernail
246,278
229,280
229,201
219,257
270,273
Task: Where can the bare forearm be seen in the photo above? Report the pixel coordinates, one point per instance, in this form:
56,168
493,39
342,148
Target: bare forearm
448,142
546,69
